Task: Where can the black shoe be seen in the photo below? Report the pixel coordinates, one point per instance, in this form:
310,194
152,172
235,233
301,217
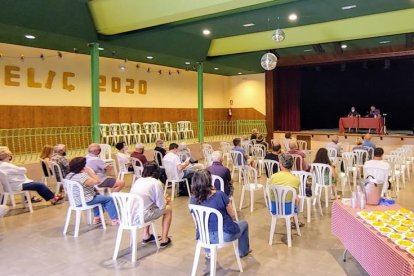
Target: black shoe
150,239
165,244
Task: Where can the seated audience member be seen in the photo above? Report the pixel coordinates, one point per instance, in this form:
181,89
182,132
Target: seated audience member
285,178
88,179
358,143
323,158
150,189
59,157
138,153
335,144
293,145
374,112
287,140
204,194
123,156
254,134
260,140
159,146
377,162
218,169
180,167
353,112
19,182
237,147
274,155
100,168
185,154
367,143
46,153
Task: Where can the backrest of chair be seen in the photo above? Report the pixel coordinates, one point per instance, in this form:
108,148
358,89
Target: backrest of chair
218,182
136,128
378,173
158,158
121,164
171,170
345,146
269,166
156,127
370,152
297,162
5,182
45,168
147,127
237,158
130,209
74,191
348,159
332,152
302,145
319,170
258,152
104,129
168,127
138,166
201,216
106,152
57,171
303,176
187,125
126,128
361,156
247,147
278,194
249,175
115,128
225,147
180,126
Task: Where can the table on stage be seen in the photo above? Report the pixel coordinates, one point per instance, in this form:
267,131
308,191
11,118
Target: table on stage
358,122
375,253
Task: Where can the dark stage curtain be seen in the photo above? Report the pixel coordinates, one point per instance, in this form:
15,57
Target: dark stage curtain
287,99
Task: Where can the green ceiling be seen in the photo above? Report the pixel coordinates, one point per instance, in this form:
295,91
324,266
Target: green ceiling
67,24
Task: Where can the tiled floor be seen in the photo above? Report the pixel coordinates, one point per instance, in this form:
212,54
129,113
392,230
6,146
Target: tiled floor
33,244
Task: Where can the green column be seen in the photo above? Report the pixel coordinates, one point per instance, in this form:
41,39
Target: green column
200,103
95,116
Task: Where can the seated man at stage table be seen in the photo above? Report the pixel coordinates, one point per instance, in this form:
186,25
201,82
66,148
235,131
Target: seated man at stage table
335,144
374,112
100,168
353,112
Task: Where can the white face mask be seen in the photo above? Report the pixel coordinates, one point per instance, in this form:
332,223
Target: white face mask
353,110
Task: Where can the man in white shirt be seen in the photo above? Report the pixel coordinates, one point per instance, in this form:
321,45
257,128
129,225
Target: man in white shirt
100,168
335,144
150,189
123,157
177,170
18,181
379,169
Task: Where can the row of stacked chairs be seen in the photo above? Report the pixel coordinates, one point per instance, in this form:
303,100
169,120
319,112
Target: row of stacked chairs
145,133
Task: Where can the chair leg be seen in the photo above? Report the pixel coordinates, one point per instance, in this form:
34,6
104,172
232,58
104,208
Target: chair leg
236,252
295,218
188,187
308,209
117,243
65,229
289,232
213,261
251,200
272,229
326,197
77,224
134,245
101,214
157,242
241,198
29,201
196,258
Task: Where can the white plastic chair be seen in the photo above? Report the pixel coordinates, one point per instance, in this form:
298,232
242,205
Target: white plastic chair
74,191
350,171
46,172
225,149
116,133
381,175
58,175
304,176
158,158
215,178
259,155
269,167
150,136
250,186
105,133
138,168
184,128
130,209
126,131
173,180
137,133
278,195
123,169
238,162
9,193
302,145
395,171
201,216
156,130
208,159
106,156
319,170
170,132
297,162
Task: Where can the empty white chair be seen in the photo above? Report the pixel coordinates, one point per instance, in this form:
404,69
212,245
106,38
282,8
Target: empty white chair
116,133
46,172
201,216
170,132
259,155
302,145
58,175
225,148
173,179
130,209
215,178
106,156
76,195
150,136
304,179
238,162
276,196
9,193
395,171
127,133
138,168
381,175
322,174
208,160
123,169
137,133
297,162
156,130
250,184
105,133
158,158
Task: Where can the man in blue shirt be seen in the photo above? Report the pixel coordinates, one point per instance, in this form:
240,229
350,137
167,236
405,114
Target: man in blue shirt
218,169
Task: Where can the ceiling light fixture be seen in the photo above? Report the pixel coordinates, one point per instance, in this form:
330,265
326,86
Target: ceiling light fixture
344,46
308,50
101,48
29,36
216,68
239,73
248,25
348,7
293,17
278,34
268,61
122,67
150,57
187,62
384,42
206,32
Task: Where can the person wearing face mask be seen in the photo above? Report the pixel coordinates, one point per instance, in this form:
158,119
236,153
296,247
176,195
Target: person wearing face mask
18,181
353,112
139,153
59,157
94,162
